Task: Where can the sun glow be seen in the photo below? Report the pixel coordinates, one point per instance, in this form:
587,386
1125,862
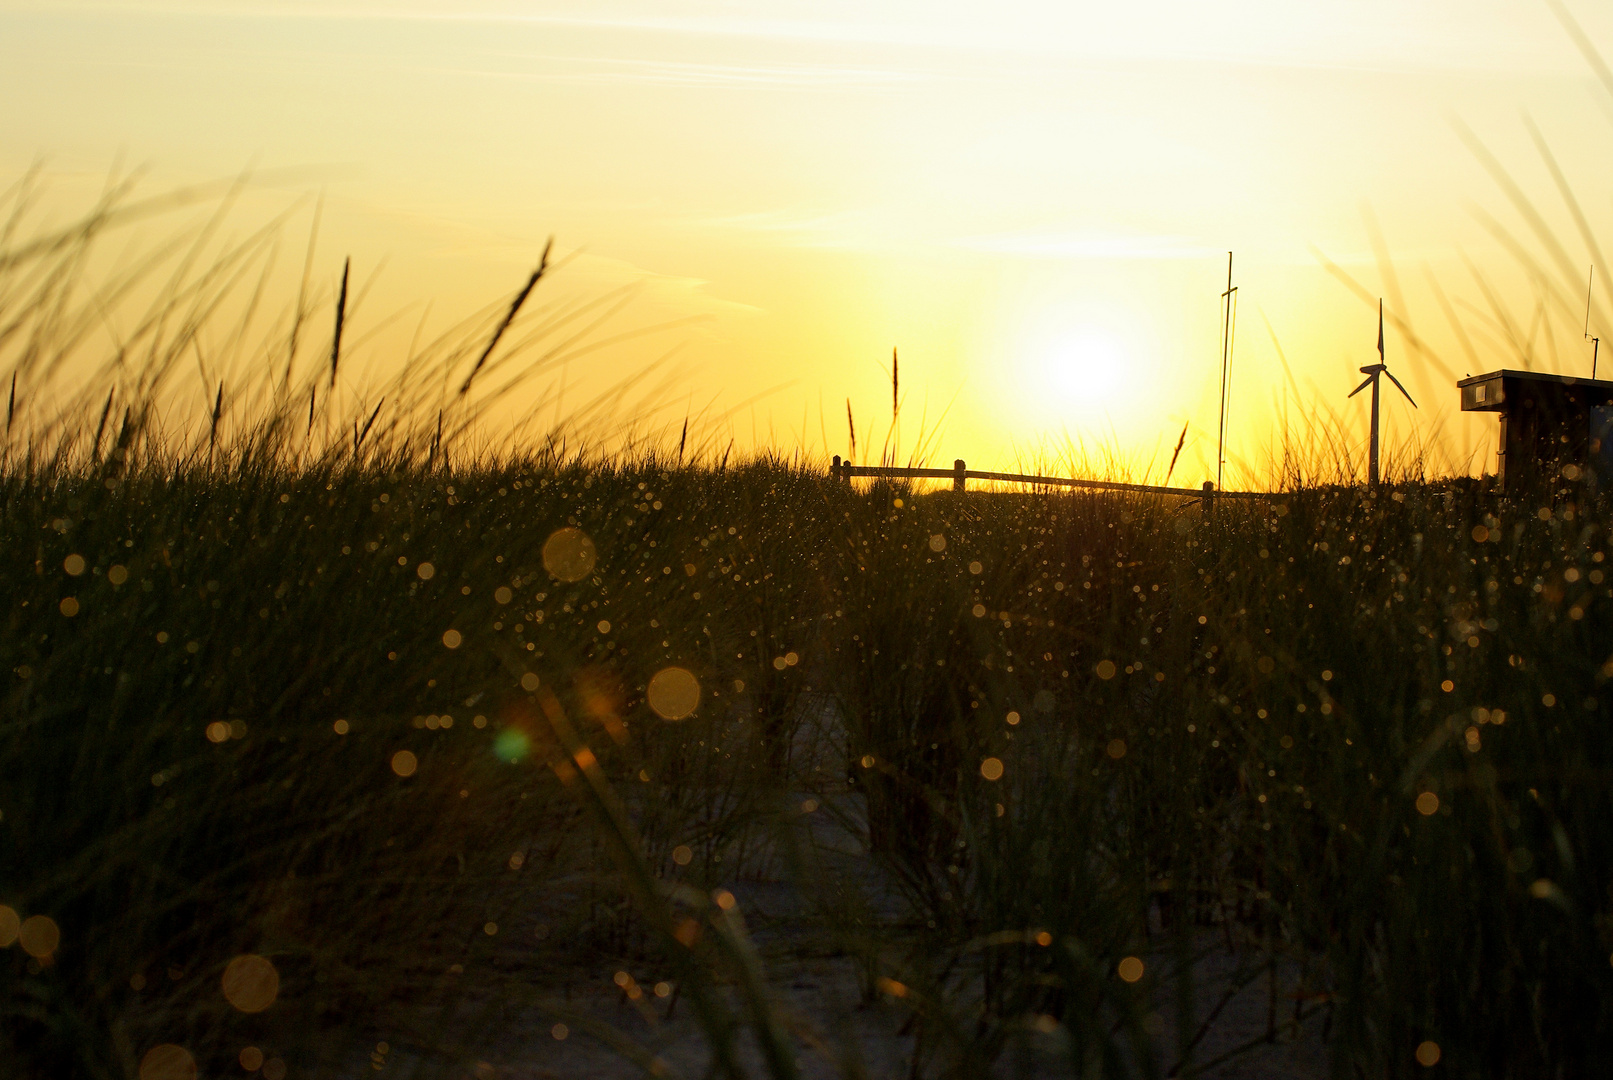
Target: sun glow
1085,369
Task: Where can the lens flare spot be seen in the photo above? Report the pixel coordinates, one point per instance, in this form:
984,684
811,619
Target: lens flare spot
251,983
569,554
511,745
404,763
673,693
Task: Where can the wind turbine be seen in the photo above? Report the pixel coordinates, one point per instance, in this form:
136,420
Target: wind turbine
1372,371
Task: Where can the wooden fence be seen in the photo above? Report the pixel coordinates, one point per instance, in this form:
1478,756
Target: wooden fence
960,475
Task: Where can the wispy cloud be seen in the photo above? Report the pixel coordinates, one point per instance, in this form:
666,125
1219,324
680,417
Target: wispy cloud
687,73
1088,245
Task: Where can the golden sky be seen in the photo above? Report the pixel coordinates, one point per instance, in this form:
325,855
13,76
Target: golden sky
1032,200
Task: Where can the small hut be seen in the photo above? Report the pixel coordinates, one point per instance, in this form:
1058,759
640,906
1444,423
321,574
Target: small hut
1548,422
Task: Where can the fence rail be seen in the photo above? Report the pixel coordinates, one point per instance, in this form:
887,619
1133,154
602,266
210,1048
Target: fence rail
960,475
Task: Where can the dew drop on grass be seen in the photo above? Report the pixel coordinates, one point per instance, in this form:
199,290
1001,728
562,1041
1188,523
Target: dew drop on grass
673,693
569,554
39,935
168,1061
250,983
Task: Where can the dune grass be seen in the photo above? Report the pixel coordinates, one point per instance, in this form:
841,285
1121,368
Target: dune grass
1361,735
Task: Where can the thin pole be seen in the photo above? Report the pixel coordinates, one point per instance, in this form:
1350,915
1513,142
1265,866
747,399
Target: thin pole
1227,299
1596,342
1372,454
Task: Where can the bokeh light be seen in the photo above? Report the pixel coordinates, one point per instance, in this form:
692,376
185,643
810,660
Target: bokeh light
404,763
168,1062
1130,969
452,638
992,768
10,926
1427,803
569,554
251,1059
1428,1053
39,936
218,731
673,693
251,983
74,565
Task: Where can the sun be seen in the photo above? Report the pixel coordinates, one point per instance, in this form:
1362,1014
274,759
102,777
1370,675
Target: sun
1083,369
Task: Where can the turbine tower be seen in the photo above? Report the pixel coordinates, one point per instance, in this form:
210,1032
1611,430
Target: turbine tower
1372,371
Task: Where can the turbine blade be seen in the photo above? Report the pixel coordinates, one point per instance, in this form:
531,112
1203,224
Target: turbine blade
1396,381
1366,382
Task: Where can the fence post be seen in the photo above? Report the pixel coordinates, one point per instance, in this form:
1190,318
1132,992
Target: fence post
834,470
1209,498
959,474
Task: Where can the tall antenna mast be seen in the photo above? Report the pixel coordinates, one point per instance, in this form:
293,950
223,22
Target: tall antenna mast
1229,301
1596,342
